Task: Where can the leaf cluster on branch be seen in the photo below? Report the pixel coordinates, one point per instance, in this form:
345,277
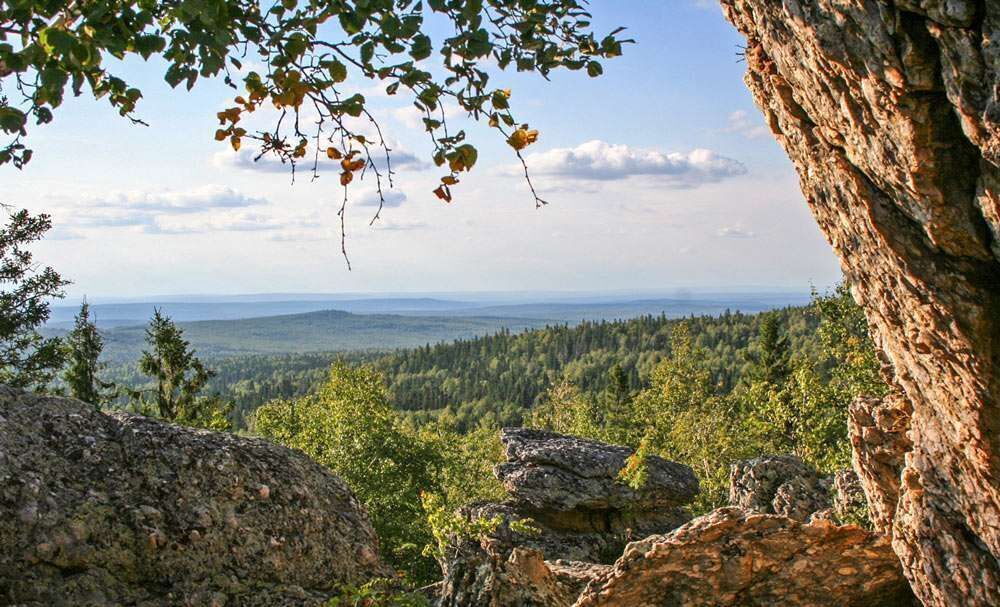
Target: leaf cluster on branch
313,55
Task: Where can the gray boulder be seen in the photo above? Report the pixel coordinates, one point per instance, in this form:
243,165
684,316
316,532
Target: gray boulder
555,472
119,509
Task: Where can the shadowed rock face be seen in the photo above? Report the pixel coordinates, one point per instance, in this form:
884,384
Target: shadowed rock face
890,113
733,558
117,509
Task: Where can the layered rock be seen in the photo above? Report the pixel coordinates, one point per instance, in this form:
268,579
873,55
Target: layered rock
890,112
575,514
118,509
733,558
787,486
569,488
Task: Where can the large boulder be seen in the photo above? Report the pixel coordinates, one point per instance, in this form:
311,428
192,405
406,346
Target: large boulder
570,490
118,509
734,558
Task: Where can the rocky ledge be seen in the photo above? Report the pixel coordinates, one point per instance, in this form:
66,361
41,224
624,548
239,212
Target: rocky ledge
118,509
761,552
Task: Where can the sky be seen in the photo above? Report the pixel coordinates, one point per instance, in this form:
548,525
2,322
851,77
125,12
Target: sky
660,175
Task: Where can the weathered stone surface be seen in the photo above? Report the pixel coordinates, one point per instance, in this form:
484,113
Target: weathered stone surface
484,573
124,510
879,443
733,558
890,113
567,490
554,472
778,484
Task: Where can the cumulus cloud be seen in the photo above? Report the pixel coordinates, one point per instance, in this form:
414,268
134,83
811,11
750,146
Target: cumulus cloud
392,199
599,160
735,231
741,123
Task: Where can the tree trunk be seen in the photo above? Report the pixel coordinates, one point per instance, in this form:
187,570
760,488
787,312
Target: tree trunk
889,111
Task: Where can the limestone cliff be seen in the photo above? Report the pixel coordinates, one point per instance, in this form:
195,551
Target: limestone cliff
889,111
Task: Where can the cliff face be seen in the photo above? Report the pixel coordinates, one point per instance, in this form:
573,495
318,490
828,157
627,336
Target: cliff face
890,112
121,510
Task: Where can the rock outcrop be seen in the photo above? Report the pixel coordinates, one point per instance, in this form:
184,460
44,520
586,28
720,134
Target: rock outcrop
579,515
731,558
569,488
118,509
890,111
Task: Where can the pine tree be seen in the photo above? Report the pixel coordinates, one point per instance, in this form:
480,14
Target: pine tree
83,351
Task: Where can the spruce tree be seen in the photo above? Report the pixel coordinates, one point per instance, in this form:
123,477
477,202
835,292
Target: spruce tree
83,351
179,374
773,356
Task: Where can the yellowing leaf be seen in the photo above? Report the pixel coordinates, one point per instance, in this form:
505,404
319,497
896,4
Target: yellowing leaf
220,135
346,177
449,180
522,138
235,141
333,154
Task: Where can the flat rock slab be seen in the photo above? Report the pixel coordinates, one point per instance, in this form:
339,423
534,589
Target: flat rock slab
554,472
119,509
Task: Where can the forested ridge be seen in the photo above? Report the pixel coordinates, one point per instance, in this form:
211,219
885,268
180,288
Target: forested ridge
497,378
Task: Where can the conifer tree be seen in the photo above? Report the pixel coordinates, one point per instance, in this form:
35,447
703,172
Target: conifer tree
84,345
772,360
179,374
27,359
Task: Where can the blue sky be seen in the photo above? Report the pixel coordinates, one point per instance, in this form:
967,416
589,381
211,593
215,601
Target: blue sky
660,175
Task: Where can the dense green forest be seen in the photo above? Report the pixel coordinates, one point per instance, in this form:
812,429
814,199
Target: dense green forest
497,378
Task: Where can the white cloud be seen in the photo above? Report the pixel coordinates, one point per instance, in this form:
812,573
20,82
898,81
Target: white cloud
735,231
188,201
741,123
599,160
398,226
195,211
393,198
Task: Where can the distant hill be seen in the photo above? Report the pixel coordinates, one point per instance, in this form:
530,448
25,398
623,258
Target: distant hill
109,315
571,310
320,331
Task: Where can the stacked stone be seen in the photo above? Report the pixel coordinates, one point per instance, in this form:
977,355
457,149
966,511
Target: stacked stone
570,489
